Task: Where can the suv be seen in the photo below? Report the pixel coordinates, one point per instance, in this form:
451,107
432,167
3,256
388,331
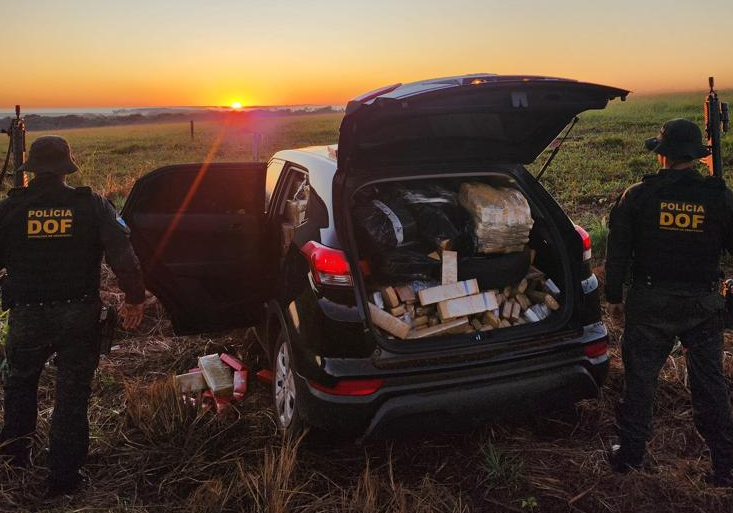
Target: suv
216,253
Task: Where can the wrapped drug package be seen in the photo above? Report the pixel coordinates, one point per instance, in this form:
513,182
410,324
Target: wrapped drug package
435,211
501,217
384,223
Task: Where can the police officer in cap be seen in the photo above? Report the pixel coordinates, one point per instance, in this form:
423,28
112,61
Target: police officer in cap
52,238
670,230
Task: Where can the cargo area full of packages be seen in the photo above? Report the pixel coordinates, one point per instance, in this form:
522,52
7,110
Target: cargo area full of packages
458,259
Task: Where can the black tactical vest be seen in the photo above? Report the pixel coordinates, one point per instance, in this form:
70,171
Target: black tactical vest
679,235
51,245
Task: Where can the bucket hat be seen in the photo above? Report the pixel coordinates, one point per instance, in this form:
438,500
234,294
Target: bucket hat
50,154
679,139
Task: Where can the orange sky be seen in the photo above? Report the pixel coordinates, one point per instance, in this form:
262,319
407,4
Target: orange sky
180,52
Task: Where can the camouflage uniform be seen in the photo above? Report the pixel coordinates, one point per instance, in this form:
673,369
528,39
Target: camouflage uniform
36,333
52,239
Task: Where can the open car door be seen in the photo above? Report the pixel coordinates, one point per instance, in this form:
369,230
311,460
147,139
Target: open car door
198,231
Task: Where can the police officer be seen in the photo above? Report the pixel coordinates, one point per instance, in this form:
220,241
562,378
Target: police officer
671,229
52,238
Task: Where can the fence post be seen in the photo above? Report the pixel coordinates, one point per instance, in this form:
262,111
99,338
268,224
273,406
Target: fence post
192,129
256,142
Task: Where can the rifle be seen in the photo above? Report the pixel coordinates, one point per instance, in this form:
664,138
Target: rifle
716,124
16,148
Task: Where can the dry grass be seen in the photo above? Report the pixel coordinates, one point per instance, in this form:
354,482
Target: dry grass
152,453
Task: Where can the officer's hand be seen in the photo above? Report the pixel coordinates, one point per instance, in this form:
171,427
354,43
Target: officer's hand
615,310
131,315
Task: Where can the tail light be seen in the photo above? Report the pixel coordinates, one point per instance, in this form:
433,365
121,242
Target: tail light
596,350
352,387
328,265
587,243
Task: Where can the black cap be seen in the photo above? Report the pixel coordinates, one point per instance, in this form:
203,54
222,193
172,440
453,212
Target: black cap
50,154
680,139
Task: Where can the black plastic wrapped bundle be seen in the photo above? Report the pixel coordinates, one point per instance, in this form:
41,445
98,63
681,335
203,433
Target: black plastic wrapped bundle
383,223
435,210
404,265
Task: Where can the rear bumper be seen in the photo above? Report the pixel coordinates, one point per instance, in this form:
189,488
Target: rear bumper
478,403
459,397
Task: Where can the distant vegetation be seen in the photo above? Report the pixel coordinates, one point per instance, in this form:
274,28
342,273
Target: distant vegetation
40,122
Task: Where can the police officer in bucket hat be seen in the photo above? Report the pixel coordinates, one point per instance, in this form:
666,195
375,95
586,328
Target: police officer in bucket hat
670,231
52,239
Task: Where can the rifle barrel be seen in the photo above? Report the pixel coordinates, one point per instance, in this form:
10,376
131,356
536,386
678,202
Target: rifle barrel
715,112
17,134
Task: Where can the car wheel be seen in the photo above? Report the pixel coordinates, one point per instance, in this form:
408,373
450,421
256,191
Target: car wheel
284,393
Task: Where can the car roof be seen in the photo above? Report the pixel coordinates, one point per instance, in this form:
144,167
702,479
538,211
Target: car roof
402,91
313,158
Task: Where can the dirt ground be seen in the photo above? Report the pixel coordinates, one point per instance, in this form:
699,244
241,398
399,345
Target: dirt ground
151,453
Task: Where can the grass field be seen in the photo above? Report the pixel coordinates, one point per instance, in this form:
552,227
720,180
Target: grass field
111,158
151,454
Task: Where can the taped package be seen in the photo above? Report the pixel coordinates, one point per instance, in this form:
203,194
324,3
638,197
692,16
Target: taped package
501,217
419,309
384,224
295,211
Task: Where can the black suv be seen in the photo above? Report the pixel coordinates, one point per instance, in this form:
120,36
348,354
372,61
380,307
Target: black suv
217,253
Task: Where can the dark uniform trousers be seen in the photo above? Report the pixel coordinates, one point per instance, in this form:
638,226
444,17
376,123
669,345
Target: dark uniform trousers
653,320
35,333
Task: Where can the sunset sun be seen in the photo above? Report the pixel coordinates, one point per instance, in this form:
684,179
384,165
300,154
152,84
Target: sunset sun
236,105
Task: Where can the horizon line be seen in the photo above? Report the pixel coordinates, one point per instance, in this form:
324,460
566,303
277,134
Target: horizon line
131,107
641,94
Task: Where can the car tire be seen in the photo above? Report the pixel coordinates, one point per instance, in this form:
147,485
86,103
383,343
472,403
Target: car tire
284,394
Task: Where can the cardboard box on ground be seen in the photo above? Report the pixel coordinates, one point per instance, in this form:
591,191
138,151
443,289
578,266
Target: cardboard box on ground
501,220
218,380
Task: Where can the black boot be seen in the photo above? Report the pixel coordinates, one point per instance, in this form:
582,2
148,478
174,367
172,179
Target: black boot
720,478
621,462
69,484
17,450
